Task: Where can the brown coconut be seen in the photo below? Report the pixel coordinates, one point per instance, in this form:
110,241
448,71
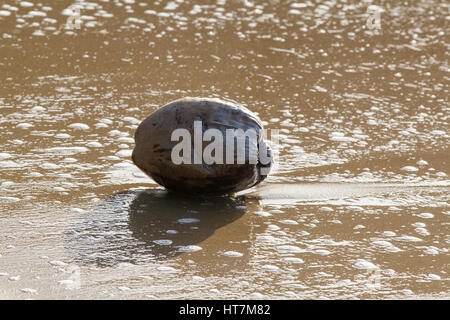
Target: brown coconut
153,150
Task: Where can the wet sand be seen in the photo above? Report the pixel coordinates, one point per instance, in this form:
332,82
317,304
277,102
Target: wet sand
358,206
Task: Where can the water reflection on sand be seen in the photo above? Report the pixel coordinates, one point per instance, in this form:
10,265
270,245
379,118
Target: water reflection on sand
148,225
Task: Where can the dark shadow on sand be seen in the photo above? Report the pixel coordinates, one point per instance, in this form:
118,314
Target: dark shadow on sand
139,226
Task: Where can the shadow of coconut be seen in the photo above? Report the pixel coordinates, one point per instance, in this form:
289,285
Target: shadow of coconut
147,225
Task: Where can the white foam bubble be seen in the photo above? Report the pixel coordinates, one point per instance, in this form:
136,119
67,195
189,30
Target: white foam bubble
69,160
26,4
355,208
432,276
422,163
364,264
48,166
407,291
38,33
123,288
276,211
124,153
57,263
270,267
268,238
49,20
6,184
171,5
419,225
67,150
322,252
389,272
292,260
382,243
166,269
37,109
438,132
287,221
29,290
94,144
294,12
79,126
35,13
409,169
163,242
393,249
63,136
190,248
289,248
67,12
124,265
100,125
342,139
188,220
125,139
4,155
262,213
432,250
232,254
67,282
426,215
117,133
408,239
35,174
24,125
422,231
9,199
123,165
131,120
298,5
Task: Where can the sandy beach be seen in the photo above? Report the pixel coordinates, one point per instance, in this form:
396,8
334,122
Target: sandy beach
357,206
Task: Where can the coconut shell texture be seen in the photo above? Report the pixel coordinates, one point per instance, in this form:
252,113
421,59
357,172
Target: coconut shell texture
152,153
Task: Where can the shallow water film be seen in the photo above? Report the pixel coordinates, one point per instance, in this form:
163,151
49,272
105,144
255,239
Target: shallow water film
357,206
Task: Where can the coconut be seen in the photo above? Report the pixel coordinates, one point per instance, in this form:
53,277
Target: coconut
202,145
